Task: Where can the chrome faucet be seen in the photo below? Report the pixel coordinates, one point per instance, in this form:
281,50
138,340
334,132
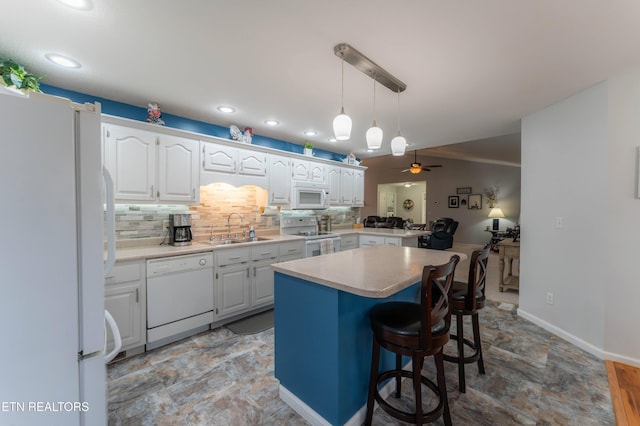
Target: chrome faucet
229,223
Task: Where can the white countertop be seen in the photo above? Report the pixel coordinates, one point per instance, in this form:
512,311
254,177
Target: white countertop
376,271
386,232
155,251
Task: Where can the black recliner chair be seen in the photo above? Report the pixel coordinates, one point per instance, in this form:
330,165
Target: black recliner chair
441,237
372,221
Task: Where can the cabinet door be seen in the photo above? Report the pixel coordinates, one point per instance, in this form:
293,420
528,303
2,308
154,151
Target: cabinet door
219,158
232,295
279,180
131,161
371,240
262,285
333,178
123,302
317,172
392,241
348,242
178,171
358,188
252,163
300,170
346,186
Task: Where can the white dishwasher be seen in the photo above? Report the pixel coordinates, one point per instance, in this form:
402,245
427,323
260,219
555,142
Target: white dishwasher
179,297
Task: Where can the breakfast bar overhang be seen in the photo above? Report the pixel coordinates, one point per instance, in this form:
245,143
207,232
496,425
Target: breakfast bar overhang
322,334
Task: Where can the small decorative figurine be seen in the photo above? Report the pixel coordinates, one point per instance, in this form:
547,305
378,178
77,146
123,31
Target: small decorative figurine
154,115
248,135
235,133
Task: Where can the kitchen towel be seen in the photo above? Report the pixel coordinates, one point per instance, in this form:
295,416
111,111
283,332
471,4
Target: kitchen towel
326,246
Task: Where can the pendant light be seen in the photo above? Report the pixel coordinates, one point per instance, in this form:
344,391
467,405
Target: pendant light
399,143
342,122
374,134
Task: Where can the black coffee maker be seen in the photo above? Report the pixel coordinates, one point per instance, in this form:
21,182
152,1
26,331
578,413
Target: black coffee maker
180,229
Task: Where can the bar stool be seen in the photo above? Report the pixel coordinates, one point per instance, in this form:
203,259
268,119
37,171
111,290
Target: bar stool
416,330
468,298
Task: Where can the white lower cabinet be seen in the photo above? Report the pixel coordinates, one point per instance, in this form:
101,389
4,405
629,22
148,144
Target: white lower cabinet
372,240
125,299
348,242
244,279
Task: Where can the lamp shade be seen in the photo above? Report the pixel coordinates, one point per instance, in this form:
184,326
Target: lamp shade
496,213
374,137
398,145
342,126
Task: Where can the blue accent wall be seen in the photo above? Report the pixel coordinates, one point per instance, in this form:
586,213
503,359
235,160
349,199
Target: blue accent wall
323,343
132,112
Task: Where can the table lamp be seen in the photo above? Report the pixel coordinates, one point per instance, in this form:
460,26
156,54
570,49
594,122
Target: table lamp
496,214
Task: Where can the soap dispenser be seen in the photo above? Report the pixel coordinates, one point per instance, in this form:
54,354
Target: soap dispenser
252,233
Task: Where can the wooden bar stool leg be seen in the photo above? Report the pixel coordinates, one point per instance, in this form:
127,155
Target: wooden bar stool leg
442,385
477,341
398,377
417,386
373,381
460,341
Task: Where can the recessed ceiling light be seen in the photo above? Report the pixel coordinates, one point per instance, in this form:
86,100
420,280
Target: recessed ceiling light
63,61
271,122
310,133
333,140
407,185
226,109
78,4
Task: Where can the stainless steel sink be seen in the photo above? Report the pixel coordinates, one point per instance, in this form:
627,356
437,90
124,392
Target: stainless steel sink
237,241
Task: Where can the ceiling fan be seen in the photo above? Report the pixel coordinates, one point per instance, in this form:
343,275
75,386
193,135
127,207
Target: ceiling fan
417,167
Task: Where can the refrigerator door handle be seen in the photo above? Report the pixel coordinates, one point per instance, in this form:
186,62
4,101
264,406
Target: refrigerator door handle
116,337
111,221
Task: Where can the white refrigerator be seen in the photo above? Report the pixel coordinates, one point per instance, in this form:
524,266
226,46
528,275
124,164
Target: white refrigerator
52,361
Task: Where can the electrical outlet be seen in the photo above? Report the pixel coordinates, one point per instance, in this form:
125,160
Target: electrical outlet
559,222
550,298
165,225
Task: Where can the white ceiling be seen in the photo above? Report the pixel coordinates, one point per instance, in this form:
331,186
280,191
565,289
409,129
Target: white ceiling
472,68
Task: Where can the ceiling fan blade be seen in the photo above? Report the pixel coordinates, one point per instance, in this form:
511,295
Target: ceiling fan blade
433,165
405,170
426,169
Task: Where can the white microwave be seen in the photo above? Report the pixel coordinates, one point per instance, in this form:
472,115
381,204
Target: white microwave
309,196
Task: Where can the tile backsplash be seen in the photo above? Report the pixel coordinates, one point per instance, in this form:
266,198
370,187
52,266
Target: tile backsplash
217,201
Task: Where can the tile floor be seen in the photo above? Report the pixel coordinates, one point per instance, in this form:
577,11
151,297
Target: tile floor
218,378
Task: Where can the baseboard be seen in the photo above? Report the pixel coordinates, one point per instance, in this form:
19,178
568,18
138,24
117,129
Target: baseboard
316,419
594,350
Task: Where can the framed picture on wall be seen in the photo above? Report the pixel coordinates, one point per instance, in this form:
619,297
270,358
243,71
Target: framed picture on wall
454,201
475,202
463,190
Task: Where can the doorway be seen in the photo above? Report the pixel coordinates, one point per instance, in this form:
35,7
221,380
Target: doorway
407,200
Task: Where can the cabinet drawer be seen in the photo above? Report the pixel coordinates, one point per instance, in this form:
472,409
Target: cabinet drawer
265,251
232,256
122,273
348,242
289,249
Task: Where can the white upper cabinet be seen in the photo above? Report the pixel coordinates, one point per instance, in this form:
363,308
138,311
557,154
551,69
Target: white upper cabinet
317,172
346,186
300,170
334,174
358,188
150,166
279,179
252,162
130,157
219,158
178,174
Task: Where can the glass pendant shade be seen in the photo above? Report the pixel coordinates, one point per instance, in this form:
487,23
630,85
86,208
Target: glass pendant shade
398,145
342,126
374,136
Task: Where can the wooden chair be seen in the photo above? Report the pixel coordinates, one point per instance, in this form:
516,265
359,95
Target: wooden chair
416,330
467,299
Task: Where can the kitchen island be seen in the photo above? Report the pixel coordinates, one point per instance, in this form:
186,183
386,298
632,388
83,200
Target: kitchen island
322,335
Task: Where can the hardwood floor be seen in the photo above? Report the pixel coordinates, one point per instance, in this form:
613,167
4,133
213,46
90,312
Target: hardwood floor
624,382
